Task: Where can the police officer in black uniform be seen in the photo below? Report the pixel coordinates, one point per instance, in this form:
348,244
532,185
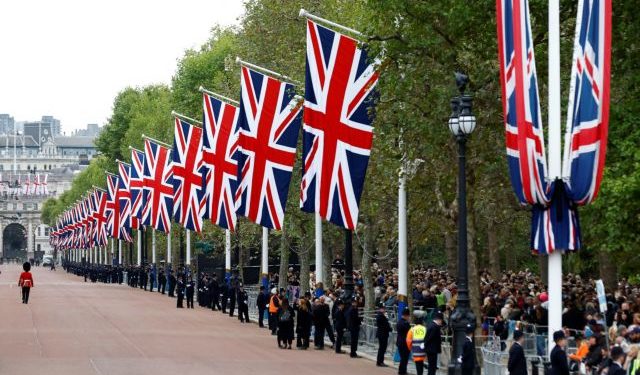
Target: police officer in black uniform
468,357
383,328
403,328
261,302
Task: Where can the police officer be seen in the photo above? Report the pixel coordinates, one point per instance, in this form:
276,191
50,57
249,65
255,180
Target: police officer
191,286
243,305
172,284
517,364
468,357
416,343
434,342
233,292
261,303
224,291
403,328
181,288
162,281
340,323
558,357
214,291
354,322
383,328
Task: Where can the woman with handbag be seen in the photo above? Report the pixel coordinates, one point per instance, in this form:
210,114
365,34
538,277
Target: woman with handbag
26,282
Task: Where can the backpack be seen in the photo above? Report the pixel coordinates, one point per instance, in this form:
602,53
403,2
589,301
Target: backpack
285,316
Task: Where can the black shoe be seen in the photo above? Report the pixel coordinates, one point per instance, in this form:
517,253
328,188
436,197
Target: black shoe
382,365
354,356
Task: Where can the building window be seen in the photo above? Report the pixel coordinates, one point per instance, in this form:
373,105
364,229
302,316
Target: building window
38,247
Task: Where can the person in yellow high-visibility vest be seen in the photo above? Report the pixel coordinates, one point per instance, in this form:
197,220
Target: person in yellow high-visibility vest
416,343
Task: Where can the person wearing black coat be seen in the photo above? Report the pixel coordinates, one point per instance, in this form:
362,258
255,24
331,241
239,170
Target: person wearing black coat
354,323
162,281
617,360
172,284
214,293
433,342
517,364
558,357
190,290
403,328
383,328
468,357
286,316
243,306
261,303
224,292
303,325
181,288
340,324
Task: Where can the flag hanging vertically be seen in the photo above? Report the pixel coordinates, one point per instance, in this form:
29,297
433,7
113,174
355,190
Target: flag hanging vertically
99,218
555,222
158,186
588,110
136,187
337,130
187,174
269,123
113,206
124,200
219,166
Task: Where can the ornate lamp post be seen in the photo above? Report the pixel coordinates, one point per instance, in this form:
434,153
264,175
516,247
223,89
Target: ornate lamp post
462,122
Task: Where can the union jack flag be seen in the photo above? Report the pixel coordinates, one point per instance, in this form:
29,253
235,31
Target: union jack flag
113,206
555,223
269,123
45,187
219,165
136,187
588,110
99,218
158,186
124,200
337,131
521,104
27,185
187,174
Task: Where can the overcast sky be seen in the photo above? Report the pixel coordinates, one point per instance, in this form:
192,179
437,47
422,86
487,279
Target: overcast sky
69,58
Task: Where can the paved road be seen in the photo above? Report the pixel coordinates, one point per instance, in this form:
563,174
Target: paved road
71,327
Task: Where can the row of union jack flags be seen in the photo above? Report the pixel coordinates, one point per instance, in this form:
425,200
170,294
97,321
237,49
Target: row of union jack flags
240,161
555,224
39,186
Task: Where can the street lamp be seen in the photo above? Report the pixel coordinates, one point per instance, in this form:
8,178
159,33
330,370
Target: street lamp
462,122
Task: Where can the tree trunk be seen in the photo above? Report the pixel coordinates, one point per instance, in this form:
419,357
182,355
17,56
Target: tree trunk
304,256
452,253
608,270
284,260
472,258
494,252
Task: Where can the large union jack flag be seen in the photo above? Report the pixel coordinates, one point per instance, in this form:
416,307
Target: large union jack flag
136,186
113,207
269,124
124,200
588,110
555,223
99,218
521,105
219,164
158,186
337,131
187,174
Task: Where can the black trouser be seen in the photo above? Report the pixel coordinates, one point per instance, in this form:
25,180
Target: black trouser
243,313
151,284
261,317
339,339
302,340
172,289
355,333
25,294
420,367
190,301
318,336
224,304
161,287
433,363
382,349
273,322
214,302
180,299
329,329
404,358
232,304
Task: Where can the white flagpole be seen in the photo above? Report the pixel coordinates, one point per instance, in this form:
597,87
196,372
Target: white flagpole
555,168
139,254
227,253
108,256
169,247
99,255
112,245
188,260
153,246
265,257
402,240
319,268
119,252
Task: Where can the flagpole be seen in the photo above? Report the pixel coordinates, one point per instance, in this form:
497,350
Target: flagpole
218,96
402,241
227,254
188,260
318,235
153,246
156,141
555,169
181,116
267,71
304,13
265,257
119,252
